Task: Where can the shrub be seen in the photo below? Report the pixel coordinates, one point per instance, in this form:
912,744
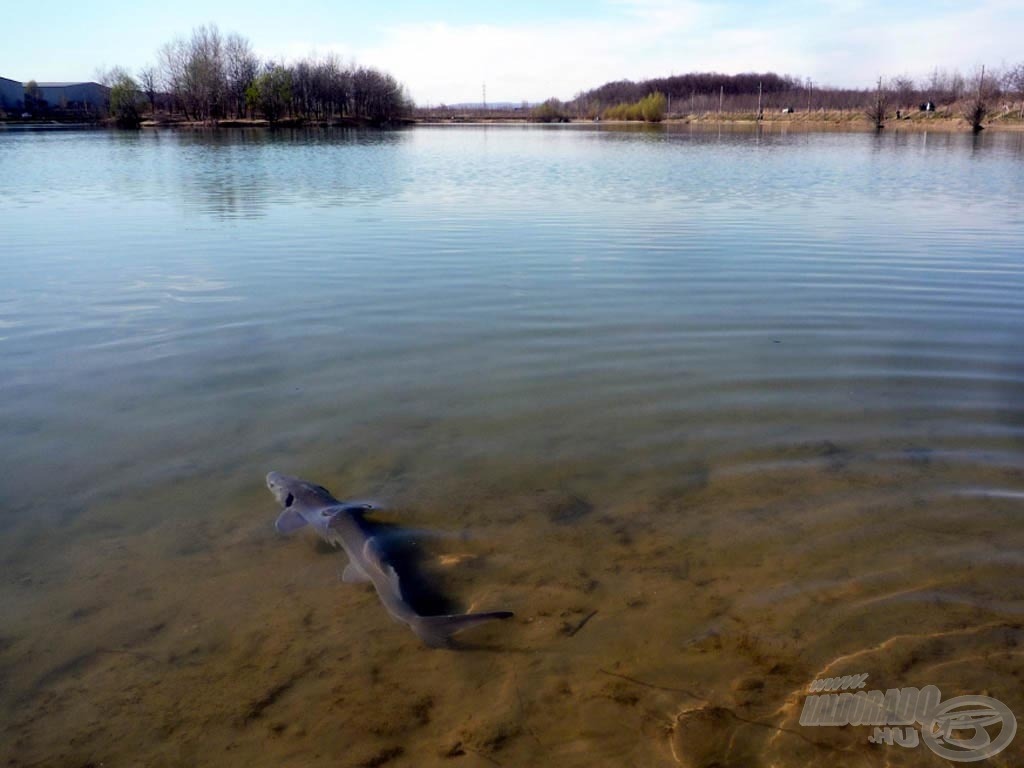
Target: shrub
650,108
551,111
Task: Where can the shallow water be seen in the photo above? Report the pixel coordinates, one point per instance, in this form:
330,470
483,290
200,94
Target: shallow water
751,402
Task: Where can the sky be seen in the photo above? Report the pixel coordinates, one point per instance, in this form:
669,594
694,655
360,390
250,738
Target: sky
444,51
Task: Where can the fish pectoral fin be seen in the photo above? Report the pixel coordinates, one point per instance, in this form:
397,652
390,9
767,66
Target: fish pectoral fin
353,574
289,521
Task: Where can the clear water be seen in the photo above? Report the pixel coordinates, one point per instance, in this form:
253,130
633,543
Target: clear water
755,398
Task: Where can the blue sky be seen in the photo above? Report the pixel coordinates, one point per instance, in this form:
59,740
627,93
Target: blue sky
527,49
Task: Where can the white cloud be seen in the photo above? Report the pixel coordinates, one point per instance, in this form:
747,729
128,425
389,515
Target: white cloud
846,42
972,34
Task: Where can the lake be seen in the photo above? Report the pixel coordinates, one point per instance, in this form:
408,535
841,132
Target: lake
717,413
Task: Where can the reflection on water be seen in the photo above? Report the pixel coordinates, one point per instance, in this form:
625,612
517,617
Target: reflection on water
722,411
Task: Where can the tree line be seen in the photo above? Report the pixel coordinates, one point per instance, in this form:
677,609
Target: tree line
682,86
211,76
701,92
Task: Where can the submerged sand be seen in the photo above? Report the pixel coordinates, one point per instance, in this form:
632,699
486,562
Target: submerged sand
681,627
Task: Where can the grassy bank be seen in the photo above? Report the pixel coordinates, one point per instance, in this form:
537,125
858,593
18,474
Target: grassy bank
944,120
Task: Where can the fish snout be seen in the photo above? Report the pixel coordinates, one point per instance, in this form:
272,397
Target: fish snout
278,485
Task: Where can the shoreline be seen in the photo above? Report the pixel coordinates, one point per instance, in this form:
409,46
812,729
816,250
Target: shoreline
746,120
829,121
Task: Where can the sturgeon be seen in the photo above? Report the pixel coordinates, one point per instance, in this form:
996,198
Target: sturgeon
341,523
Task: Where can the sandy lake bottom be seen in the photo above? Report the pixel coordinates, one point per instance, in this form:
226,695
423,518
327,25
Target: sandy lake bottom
714,416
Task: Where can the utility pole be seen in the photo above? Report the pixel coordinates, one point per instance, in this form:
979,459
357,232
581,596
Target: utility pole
721,98
485,97
759,113
810,86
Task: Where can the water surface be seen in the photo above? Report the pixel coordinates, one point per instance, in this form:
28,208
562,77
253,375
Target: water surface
754,398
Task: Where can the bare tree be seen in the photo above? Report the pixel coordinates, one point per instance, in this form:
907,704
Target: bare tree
148,84
173,58
943,86
109,77
876,112
975,110
241,67
1013,79
204,72
904,90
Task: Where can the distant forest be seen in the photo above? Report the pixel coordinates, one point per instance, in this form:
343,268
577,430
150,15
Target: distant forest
683,86
699,93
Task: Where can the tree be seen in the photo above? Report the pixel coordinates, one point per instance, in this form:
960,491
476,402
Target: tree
125,101
957,86
904,90
147,82
33,96
171,62
1013,79
241,66
377,96
551,111
939,85
271,92
204,72
209,76
876,112
975,110
193,72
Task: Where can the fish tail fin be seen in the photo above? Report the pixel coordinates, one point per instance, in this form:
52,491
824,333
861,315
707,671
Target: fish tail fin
436,631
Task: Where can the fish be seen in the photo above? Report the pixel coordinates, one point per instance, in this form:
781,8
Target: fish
343,524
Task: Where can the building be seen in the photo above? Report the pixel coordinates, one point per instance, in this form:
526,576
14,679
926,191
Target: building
90,96
12,95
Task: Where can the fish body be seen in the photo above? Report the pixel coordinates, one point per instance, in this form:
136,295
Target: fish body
342,524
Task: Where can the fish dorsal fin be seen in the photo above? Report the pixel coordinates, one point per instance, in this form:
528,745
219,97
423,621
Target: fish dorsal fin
289,521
